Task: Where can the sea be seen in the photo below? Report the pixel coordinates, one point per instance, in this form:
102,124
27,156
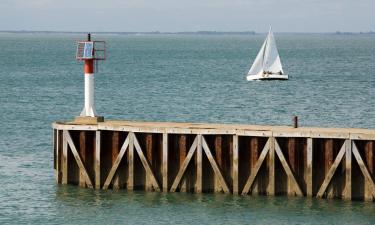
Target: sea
181,78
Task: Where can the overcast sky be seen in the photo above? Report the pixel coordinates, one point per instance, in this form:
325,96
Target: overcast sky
188,15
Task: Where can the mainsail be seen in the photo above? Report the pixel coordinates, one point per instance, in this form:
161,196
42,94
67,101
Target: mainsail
267,60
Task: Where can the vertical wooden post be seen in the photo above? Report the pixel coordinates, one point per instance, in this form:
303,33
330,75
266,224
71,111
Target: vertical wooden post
271,168
97,159
149,156
348,170
82,151
293,157
328,157
198,183
65,159
369,159
235,165
130,185
218,154
115,150
183,151
57,144
165,162
254,154
309,177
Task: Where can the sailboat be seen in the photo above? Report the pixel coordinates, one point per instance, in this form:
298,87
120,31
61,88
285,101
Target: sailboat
267,64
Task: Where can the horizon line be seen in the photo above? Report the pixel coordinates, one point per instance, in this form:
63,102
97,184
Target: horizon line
182,32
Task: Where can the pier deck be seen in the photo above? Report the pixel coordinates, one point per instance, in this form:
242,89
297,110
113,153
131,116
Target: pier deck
229,158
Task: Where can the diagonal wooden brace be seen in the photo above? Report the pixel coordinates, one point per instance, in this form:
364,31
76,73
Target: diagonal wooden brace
254,173
214,165
184,166
78,158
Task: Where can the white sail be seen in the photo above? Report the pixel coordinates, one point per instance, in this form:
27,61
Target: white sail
272,61
257,66
268,59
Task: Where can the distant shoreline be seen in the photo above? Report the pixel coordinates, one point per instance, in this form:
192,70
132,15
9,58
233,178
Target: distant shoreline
178,33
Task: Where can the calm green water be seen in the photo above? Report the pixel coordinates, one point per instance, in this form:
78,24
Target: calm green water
173,78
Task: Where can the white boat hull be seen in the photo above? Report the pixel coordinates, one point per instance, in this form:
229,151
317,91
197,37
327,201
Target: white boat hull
267,77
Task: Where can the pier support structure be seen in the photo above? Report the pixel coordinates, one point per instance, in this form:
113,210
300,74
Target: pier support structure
237,159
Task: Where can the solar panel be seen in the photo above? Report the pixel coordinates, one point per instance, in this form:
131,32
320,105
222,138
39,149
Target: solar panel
88,50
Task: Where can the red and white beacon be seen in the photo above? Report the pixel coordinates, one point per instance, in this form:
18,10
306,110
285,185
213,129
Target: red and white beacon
90,52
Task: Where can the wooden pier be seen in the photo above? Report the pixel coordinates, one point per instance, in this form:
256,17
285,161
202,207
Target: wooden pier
237,159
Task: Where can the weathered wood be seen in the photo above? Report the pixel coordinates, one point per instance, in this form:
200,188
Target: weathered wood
369,159
115,151
165,162
187,160
235,165
82,154
331,172
215,167
218,154
199,178
271,168
58,156
309,177
97,159
183,151
117,161
254,172
78,159
292,157
329,159
149,156
65,160
294,184
146,164
364,169
254,145
347,193
130,181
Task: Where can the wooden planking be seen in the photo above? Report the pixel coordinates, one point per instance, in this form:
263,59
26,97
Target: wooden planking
199,178
293,156
218,154
130,181
347,193
82,153
97,159
254,172
165,162
78,159
184,166
115,165
293,181
331,172
309,159
65,160
59,156
271,168
150,157
254,146
364,170
146,164
215,167
235,165
182,142
115,151
369,160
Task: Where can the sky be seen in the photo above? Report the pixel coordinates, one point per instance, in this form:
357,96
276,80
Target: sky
188,15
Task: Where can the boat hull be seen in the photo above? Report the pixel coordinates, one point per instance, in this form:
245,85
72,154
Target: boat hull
268,77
